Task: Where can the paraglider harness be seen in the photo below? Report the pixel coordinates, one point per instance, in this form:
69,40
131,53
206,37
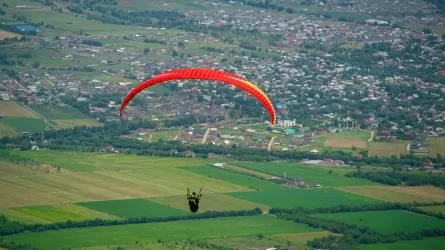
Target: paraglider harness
194,200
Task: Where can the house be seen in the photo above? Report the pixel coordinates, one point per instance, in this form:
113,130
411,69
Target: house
327,161
427,162
359,156
297,181
189,153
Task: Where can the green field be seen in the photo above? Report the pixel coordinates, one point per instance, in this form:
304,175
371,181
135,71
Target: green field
70,123
388,221
30,125
59,113
435,209
236,178
249,242
437,146
177,230
426,243
6,130
13,109
308,198
386,149
133,208
314,175
300,239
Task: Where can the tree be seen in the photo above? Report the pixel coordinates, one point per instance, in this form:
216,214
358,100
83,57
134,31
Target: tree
146,50
36,65
427,31
260,236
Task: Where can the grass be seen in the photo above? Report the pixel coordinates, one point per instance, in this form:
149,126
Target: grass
50,213
307,198
11,108
14,215
7,170
177,230
77,122
389,221
426,243
344,135
249,242
133,208
236,178
437,146
435,209
399,194
300,239
386,149
315,175
439,30
59,113
210,202
30,125
6,130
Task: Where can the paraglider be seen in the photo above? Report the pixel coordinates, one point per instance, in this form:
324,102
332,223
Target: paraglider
204,74
194,200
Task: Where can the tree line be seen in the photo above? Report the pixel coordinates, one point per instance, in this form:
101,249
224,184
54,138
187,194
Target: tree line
396,178
8,227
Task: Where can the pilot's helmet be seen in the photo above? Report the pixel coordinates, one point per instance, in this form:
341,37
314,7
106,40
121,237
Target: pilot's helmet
194,193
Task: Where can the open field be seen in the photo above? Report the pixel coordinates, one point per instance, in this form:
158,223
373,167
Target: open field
6,34
426,243
59,113
249,242
13,215
68,123
435,209
247,171
399,194
176,230
341,143
236,178
386,149
210,202
308,198
6,130
13,109
388,221
8,169
300,239
437,146
344,135
310,174
133,208
30,125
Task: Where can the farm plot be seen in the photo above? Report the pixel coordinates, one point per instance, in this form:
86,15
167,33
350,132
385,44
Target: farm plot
13,109
133,208
398,194
176,230
426,243
236,178
68,123
50,213
210,202
344,135
59,113
300,239
386,149
13,215
389,221
7,169
435,209
307,198
314,175
6,130
437,146
6,34
249,242
342,143
30,125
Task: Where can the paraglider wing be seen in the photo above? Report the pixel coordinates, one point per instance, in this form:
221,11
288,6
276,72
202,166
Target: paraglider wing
204,74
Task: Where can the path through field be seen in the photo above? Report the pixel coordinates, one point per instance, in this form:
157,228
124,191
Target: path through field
270,143
204,139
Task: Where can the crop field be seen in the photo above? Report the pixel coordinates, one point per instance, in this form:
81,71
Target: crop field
13,109
344,135
236,178
386,149
300,239
426,243
343,143
249,242
314,175
6,130
50,213
399,194
68,123
6,34
176,230
7,169
30,125
435,209
247,171
307,198
59,113
133,208
210,202
437,146
388,221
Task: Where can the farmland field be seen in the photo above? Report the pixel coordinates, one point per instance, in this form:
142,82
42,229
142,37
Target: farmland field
6,130
236,178
386,149
300,239
30,125
249,242
344,135
70,123
388,221
8,169
133,208
58,113
13,109
314,175
342,143
437,145
177,230
435,209
426,243
210,202
307,198
399,194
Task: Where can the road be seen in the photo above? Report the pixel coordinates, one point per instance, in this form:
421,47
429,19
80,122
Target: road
270,143
204,139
